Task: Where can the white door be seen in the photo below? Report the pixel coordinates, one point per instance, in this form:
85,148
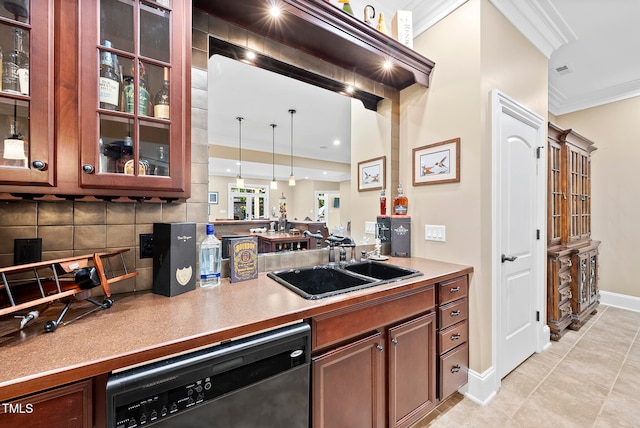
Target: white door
518,238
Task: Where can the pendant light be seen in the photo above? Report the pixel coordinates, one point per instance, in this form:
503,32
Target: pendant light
239,179
14,146
274,183
292,178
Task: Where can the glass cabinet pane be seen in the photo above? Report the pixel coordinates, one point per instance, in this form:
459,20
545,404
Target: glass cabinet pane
18,10
116,145
117,24
154,148
14,133
154,32
14,55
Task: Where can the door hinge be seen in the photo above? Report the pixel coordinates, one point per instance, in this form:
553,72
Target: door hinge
538,151
538,316
538,234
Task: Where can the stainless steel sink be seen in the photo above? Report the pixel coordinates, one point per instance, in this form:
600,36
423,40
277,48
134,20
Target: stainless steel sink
316,282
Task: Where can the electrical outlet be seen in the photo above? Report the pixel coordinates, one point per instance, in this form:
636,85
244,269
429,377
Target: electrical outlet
146,245
434,232
370,227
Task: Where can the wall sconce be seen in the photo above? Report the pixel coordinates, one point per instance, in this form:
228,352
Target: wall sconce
292,178
239,179
274,183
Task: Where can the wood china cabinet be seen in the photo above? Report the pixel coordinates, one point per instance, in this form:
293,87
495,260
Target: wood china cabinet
116,77
572,262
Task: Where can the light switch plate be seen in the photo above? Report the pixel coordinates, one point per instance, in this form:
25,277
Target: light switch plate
434,232
370,227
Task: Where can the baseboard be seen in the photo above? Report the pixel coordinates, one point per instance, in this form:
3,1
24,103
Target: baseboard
622,301
481,387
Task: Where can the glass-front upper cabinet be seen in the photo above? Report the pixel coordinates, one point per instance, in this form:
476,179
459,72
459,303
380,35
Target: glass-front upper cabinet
134,94
26,92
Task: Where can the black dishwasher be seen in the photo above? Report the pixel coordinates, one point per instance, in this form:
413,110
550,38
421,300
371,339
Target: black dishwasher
258,381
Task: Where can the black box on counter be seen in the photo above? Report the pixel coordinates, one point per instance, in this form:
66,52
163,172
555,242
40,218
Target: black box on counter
174,258
396,229
243,258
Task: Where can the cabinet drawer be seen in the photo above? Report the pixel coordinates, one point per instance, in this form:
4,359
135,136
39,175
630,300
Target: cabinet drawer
454,368
452,290
453,336
350,322
452,313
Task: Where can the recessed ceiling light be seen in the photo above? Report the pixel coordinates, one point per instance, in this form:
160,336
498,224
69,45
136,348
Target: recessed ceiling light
251,55
336,142
274,11
387,65
324,172
350,89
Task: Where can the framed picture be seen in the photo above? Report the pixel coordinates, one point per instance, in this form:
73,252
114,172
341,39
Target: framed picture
213,198
437,163
371,174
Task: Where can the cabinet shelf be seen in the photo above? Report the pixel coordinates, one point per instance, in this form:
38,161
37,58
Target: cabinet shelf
325,31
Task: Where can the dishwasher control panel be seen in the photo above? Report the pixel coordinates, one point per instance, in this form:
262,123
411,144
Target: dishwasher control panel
147,395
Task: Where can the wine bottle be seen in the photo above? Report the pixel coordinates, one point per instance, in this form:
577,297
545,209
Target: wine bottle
161,100
144,98
109,90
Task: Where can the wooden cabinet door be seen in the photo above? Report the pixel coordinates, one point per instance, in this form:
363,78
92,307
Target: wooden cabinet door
348,385
26,151
125,142
412,370
68,406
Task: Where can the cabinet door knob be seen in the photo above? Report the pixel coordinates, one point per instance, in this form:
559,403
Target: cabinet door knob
455,313
88,169
454,290
380,348
455,336
394,341
39,165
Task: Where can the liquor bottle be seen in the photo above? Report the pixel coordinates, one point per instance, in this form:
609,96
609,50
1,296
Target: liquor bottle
109,90
117,68
144,98
400,203
210,259
128,94
161,101
383,203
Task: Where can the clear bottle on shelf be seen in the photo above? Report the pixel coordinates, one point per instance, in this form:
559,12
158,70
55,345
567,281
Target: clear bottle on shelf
210,259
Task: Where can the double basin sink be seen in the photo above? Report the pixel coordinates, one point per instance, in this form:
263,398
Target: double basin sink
316,282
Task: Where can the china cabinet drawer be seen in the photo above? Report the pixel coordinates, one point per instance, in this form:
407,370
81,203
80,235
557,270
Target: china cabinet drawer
453,336
452,313
454,368
452,290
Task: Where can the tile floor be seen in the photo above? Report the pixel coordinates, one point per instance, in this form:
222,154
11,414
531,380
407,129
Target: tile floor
589,378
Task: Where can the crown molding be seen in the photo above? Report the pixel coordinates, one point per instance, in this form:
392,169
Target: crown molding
559,104
538,21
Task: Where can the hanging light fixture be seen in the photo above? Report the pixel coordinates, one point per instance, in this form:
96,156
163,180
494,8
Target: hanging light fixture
292,178
14,153
239,179
274,183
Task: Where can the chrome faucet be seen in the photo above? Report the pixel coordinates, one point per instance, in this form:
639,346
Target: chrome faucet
342,242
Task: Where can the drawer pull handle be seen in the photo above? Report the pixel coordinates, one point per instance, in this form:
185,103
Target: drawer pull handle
380,348
394,341
455,369
455,336
454,290
455,313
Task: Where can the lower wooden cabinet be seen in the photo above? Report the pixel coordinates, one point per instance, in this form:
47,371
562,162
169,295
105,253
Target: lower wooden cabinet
68,406
348,385
412,370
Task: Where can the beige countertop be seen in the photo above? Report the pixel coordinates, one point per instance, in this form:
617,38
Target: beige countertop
140,327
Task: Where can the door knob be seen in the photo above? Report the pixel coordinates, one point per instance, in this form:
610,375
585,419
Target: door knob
508,259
